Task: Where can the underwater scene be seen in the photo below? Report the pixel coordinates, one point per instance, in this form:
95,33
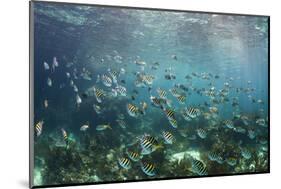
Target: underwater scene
125,94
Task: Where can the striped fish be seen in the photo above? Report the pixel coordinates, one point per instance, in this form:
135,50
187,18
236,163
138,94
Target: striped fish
173,122
170,113
229,124
175,92
148,168
125,163
214,156
106,80
122,91
211,94
201,133
114,75
181,99
65,136
147,141
132,110
148,79
198,167
193,112
99,94
38,128
134,156
185,115
155,101
162,93
148,144
168,137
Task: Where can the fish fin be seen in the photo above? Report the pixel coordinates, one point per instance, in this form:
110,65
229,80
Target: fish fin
159,146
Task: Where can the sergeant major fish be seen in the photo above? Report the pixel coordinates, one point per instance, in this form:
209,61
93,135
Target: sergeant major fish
99,94
65,136
202,133
149,144
134,156
148,168
38,128
132,110
106,80
198,167
168,137
125,163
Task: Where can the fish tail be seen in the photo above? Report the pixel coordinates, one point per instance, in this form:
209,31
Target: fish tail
159,146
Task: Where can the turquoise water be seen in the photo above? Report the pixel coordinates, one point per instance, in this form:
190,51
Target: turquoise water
219,62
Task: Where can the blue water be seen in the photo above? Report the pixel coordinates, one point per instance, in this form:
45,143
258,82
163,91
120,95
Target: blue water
235,48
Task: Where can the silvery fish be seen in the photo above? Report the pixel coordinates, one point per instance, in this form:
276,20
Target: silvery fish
46,66
103,127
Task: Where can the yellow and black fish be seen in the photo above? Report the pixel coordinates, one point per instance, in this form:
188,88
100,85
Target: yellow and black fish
175,92
38,128
148,79
193,112
125,163
65,136
147,141
149,144
170,113
114,75
162,93
173,122
99,94
181,99
156,101
148,168
168,137
202,133
134,156
132,110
